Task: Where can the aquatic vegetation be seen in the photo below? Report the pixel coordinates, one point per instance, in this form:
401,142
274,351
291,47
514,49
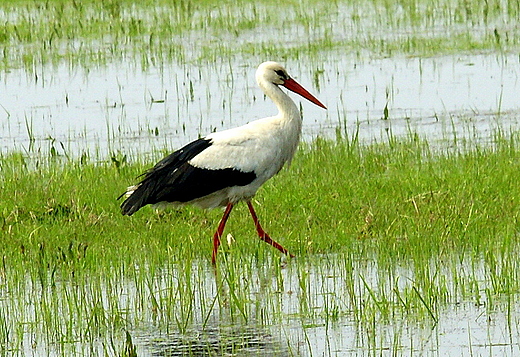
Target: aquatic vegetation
152,34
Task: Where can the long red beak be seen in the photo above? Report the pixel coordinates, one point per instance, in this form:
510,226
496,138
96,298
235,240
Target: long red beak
295,87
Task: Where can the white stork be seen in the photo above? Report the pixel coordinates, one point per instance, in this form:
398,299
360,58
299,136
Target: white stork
229,166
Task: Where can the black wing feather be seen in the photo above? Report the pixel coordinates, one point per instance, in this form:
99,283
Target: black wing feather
173,179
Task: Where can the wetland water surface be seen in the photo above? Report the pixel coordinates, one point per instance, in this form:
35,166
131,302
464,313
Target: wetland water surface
120,108
320,306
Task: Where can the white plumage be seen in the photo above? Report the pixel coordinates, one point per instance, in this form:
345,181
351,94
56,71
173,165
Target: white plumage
229,166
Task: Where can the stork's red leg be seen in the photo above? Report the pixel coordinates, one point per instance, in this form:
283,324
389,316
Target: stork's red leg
218,233
263,235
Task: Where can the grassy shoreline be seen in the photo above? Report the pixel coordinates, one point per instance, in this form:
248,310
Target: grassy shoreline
395,191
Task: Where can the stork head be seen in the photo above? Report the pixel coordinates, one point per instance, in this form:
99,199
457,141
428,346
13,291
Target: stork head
275,73
272,72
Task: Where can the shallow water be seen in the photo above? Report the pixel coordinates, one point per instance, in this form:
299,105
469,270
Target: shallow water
120,108
303,309
312,314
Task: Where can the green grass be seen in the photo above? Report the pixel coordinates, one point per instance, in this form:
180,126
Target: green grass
153,34
344,208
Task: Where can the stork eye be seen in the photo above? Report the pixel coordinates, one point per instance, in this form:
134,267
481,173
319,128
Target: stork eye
281,73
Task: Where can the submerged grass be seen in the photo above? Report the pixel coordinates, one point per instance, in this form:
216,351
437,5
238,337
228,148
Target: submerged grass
381,230
152,34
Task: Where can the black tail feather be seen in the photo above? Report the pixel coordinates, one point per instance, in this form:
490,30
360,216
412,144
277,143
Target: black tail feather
147,190
132,204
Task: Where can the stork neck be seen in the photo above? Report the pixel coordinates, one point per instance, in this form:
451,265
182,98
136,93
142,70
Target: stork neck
286,107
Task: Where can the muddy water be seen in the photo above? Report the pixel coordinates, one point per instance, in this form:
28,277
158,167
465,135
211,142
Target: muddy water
120,108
